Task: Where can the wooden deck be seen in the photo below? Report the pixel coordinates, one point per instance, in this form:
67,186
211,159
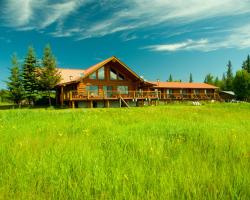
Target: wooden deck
189,96
111,95
139,95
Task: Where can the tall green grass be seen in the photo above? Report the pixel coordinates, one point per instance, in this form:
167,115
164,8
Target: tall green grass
165,152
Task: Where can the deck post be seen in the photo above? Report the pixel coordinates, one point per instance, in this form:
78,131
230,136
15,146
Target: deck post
73,104
62,96
91,104
107,104
70,95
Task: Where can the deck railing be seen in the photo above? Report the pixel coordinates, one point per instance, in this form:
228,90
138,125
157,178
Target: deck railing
188,96
92,95
75,95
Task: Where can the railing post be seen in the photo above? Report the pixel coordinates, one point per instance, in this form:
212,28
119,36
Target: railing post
70,95
88,95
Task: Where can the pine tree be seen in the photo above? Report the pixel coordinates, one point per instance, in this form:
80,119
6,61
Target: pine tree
170,79
15,87
209,79
241,85
229,77
217,81
30,75
49,77
190,78
246,64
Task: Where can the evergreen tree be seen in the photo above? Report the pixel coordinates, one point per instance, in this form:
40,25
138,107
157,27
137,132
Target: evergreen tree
15,87
223,82
170,79
49,77
241,85
229,77
190,78
30,75
217,81
246,64
209,79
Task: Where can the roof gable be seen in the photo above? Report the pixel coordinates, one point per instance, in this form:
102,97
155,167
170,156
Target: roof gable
97,66
76,75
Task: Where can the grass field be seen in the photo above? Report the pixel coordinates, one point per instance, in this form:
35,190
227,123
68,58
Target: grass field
164,152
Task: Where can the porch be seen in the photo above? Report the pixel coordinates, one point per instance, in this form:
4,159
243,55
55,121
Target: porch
189,96
110,95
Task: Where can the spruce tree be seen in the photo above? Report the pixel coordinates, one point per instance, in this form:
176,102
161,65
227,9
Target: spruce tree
170,79
246,64
209,79
223,82
229,77
30,75
190,78
241,85
217,81
49,77
15,87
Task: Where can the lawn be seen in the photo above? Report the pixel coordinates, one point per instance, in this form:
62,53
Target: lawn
165,152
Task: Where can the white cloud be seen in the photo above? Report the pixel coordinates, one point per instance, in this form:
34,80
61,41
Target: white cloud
237,38
36,14
186,45
129,16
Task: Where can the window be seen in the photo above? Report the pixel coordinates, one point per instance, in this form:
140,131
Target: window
92,76
122,89
120,77
101,74
113,74
169,91
93,90
184,92
196,91
108,91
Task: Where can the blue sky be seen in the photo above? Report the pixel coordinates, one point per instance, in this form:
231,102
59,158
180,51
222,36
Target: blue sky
155,38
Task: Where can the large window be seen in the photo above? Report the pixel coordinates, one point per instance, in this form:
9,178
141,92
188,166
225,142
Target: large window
122,89
92,76
108,91
113,75
120,76
101,74
93,90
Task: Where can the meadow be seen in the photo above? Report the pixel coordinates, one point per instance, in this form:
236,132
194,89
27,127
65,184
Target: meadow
165,152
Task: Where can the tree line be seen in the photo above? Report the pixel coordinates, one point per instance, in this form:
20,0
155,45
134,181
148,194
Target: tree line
33,78
170,78
239,82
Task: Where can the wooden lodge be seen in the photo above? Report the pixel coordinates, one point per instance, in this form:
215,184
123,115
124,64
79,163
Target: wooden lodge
111,83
